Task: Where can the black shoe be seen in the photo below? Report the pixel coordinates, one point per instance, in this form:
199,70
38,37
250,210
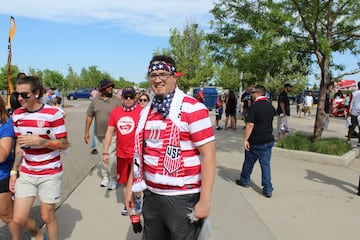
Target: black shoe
238,182
94,151
268,195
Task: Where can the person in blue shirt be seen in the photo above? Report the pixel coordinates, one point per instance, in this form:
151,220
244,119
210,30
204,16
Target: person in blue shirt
299,104
6,162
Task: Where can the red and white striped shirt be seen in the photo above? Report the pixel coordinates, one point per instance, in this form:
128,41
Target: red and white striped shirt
195,130
48,123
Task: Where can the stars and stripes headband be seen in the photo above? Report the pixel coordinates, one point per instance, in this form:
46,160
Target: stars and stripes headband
161,66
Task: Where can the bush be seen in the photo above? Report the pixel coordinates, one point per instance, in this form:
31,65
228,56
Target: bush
303,142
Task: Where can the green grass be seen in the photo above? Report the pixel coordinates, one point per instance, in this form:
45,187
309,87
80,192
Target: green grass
303,142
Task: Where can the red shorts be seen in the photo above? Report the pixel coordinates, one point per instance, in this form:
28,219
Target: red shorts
123,169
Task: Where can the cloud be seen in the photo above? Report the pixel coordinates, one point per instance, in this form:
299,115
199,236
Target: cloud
148,17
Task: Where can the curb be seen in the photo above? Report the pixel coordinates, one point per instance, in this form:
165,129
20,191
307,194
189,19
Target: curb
343,160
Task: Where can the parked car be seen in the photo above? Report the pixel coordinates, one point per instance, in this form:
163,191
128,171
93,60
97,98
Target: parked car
80,93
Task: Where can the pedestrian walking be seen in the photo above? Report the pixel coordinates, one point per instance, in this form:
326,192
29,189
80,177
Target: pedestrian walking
144,99
354,114
299,104
6,163
123,120
41,135
100,108
218,112
283,111
230,110
308,104
258,140
174,160
327,106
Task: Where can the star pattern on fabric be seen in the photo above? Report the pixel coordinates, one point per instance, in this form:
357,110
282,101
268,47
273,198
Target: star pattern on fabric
161,66
163,105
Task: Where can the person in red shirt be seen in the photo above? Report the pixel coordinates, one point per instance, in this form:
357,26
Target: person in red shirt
123,119
200,96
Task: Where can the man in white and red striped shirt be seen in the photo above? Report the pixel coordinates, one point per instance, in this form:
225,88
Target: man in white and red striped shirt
37,170
175,149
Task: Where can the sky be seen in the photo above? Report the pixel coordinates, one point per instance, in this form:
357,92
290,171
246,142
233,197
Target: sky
118,37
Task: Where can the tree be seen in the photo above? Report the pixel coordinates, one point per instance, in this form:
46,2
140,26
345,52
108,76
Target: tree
191,56
72,79
54,79
4,76
310,30
257,53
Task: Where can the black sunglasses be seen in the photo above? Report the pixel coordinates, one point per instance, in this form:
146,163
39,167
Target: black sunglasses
24,95
129,96
143,100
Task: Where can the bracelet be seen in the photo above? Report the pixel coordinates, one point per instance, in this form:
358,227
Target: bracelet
13,172
105,153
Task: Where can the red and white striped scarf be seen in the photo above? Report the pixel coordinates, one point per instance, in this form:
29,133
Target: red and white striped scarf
170,169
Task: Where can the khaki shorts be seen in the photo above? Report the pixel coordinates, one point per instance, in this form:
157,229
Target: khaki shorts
48,188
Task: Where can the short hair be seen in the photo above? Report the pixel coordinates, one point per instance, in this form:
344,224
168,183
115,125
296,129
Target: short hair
35,84
163,58
261,89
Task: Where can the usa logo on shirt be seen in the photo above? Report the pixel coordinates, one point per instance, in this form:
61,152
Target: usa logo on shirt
172,160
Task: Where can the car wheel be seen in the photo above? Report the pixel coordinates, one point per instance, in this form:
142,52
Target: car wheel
71,98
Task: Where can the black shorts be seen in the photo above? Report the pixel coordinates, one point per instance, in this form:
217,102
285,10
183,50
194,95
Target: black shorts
4,185
165,217
230,112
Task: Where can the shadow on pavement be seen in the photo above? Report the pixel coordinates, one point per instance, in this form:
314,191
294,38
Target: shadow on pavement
321,178
72,217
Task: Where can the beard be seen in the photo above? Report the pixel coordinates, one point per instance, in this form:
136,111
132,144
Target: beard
107,94
159,96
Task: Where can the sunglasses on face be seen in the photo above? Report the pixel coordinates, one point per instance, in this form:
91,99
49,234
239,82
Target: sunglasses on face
129,96
24,95
143,100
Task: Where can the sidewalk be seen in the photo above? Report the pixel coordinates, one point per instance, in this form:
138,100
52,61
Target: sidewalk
310,200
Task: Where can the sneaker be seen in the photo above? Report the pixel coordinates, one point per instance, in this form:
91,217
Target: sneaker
138,205
104,182
94,151
112,185
124,212
240,183
268,195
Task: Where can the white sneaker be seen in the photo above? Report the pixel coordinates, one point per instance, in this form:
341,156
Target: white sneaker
124,212
104,182
112,185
